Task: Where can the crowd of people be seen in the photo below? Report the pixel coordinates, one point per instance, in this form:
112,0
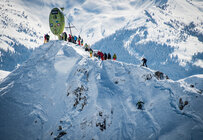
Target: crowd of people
99,54
78,40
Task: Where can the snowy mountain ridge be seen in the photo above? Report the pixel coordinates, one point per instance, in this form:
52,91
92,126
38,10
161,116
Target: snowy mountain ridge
62,93
166,32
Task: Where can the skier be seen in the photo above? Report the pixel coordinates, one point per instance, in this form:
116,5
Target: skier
140,105
109,56
144,62
114,57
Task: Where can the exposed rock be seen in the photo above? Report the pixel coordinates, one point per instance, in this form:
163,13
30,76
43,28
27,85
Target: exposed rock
160,75
181,104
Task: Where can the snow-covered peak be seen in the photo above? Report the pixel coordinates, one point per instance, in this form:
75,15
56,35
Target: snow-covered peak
62,93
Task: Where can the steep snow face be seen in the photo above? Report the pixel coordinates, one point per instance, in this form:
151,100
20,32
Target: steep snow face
60,92
20,31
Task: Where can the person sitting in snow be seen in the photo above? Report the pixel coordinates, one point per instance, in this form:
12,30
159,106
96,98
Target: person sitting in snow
144,62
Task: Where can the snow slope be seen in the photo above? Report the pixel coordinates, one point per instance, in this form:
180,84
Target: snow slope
20,33
60,92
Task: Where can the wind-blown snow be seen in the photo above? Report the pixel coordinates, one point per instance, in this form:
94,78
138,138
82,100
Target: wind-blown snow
60,92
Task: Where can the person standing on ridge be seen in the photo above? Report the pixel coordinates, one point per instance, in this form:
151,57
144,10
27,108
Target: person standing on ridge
46,38
72,39
75,39
114,56
79,38
109,56
144,62
105,56
65,36
140,105
102,56
86,47
91,51
82,42
69,38
99,54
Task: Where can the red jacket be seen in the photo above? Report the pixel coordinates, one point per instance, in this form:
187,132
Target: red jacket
102,56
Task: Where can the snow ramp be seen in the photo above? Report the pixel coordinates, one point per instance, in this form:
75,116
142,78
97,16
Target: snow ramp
62,93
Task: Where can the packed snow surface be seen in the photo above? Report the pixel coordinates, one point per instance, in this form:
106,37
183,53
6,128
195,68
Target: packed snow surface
60,92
